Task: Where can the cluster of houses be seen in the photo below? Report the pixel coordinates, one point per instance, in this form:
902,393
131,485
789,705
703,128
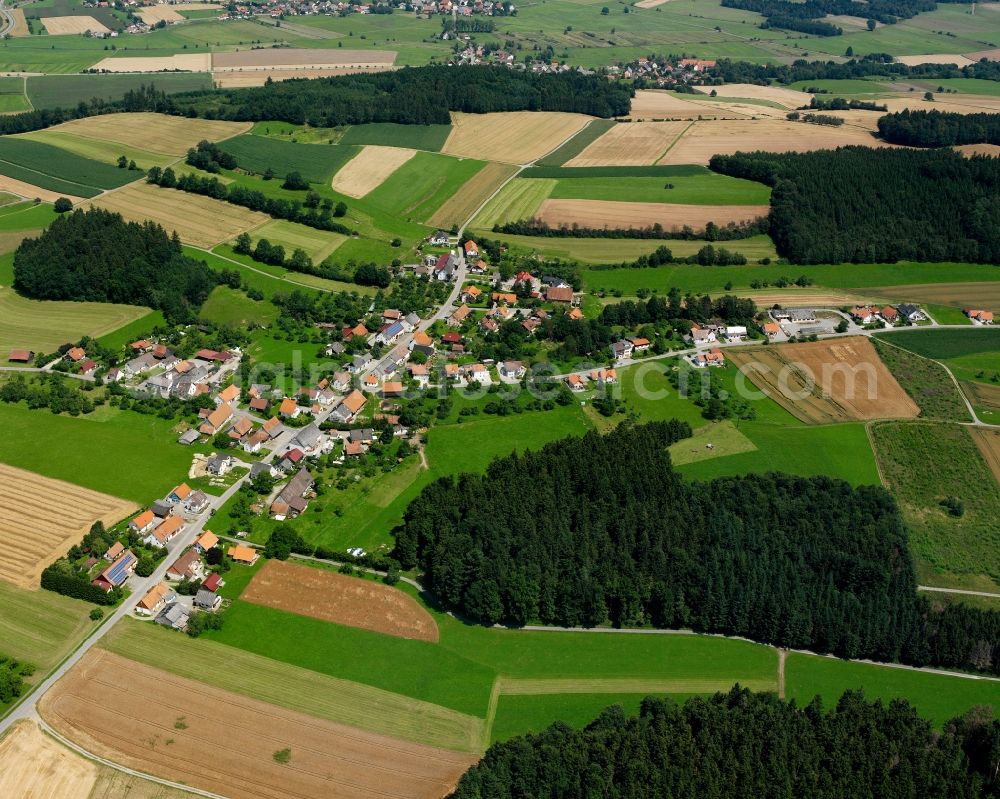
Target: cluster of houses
155,370
599,377
663,73
887,314
626,348
979,317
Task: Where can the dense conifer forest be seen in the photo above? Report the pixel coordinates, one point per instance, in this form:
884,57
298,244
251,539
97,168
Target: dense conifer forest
939,128
860,204
601,529
97,256
747,745
871,65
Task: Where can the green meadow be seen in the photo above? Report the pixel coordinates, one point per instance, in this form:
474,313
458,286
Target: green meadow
57,169
422,185
64,91
392,134
317,163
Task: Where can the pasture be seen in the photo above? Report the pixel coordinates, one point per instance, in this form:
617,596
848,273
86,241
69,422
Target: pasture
198,220
924,463
473,193
824,382
45,518
33,764
158,133
631,144
227,306
333,597
416,190
43,325
672,216
317,163
41,627
327,759
514,137
369,169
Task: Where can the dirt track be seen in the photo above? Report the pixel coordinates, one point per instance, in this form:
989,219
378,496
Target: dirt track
188,732
326,595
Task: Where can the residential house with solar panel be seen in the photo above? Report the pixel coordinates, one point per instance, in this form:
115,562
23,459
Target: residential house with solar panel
117,573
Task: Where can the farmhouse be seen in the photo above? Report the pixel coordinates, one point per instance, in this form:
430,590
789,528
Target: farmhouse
770,329
243,426
241,553
187,567
799,315
21,356
358,330
560,294
980,317
735,333
228,395
216,420
76,354
291,501
421,342
864,314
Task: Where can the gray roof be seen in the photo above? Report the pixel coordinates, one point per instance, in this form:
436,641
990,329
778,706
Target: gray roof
161,508
190,436
297,486
175,615
364,434
205,598
259,468
309,437
413,319
197,500
360,361
906,309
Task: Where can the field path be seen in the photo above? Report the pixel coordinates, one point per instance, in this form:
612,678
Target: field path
782,655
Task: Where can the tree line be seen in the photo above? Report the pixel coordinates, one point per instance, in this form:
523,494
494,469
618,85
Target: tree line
675,307
713,232
97,256
933,128
601,529
745,744
859,204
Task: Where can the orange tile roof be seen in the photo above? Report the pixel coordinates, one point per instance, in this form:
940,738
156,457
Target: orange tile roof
421,339
207,540
354,401
288,407
76,353
243,553
270,424
143,519
392,387
182,492
229,393
168,527
219,416
154,596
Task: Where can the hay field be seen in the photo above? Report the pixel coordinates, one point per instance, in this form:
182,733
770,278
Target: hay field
935,58
188,62
198,220
350,601
98,150
318,244
158,133
825,382
710,137
630,144
34,766
519,199
30,191
44,518
154,14
959,295
222,742
612,214
988,442
64,26
513,137
20,23
660,103
258,77
806,298
477,189
44,325
790,98
287,58
369,169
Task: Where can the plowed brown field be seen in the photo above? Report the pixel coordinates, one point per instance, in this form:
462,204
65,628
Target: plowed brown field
41,518
222,742
333,597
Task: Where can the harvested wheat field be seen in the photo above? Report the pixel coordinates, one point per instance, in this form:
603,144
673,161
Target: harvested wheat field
20,27
63,26
959,295
790,98
191,62
33,766
992,150
222,742
198,220
806,298
154,14
514,137
630,144
988,441
612,214
286,58
934,58
656,103
350,601
43,518
710,137
369,169
476,191
259,77
822,382
650,3
157,133
30,191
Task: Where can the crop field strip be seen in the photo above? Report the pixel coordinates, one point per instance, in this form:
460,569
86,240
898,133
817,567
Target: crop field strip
50,516
515,137
519,199
369,169
94,705
612,214
56,169
594,130
99,150
422,185
631,144
317,163
61,91
32,764
988,442
158,133
475,191
41,627
318,244
198,220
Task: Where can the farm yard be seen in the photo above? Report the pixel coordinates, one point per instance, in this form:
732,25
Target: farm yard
335,598
51,516
200,221
513,137
326,759
369,169
826,382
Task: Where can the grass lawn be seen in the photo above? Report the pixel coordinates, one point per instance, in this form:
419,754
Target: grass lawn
948,315
936,697
391,134
40,627
227,306
317,163
133,330
723,437
923,463
121,453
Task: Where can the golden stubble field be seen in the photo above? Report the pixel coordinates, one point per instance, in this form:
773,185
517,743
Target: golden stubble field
824,382
615,214
198,220
369,169
290,58
33,766
205,737
630,144
158,133
185,62
64,26
513,137
42,518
